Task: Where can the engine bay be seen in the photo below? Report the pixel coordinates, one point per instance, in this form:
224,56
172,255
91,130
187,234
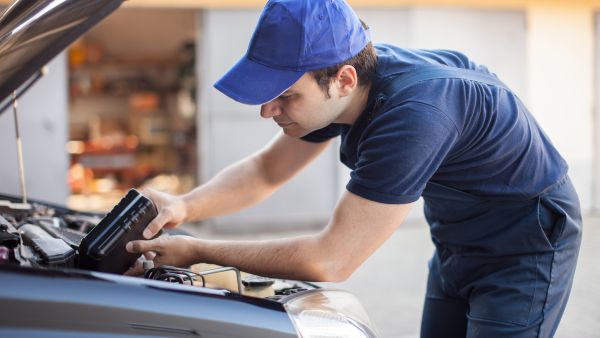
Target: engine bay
43,236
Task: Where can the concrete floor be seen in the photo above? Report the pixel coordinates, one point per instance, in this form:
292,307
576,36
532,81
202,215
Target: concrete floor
391,283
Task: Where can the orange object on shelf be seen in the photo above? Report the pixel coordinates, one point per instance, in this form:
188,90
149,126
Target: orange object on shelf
144,102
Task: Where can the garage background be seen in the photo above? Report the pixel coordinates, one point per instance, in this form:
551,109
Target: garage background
546,50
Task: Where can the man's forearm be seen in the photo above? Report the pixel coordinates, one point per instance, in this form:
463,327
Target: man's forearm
238,186
301,258
251,180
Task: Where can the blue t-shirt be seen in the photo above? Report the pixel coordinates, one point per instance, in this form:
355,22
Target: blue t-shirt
469,136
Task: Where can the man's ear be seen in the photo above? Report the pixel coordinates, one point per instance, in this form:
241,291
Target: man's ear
346,80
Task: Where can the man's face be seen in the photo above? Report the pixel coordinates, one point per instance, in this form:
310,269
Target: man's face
303,108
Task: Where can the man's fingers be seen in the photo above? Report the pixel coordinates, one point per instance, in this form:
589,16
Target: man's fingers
150,193
157,223
149,255
136,270
138,267
141,246
169,211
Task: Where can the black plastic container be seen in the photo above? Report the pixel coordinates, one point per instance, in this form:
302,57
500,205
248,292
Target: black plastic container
103,249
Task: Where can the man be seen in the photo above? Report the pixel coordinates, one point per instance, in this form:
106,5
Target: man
504,216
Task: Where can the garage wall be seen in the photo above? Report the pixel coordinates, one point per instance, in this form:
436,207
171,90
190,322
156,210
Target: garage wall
552,76
595,177
560,71
495,38
43,124
230,131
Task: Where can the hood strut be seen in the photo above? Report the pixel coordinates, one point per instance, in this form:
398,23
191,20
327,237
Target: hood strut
38,75
19,148
14,102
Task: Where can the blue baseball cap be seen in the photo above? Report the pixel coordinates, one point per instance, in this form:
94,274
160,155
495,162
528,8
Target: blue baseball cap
293,37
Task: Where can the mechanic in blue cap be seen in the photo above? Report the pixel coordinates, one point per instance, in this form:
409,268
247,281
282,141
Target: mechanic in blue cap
504,216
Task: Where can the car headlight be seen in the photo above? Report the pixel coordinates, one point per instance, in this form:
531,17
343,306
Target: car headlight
328,313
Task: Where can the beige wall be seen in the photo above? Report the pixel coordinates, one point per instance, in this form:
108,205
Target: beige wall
43,129
362,3
240,4
367,3
558,71
560,63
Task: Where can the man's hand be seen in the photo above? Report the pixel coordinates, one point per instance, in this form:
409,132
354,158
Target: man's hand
176,251
172,211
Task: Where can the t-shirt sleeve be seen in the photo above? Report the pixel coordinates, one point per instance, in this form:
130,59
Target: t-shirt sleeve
400,150
323,134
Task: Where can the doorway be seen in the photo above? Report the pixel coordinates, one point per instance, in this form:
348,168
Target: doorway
132,107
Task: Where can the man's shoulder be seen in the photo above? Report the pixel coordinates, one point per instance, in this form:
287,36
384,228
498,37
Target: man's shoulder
394,60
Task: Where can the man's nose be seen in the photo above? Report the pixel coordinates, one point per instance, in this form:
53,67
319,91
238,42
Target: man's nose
269,110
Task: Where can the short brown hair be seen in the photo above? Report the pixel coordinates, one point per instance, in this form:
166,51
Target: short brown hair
364,62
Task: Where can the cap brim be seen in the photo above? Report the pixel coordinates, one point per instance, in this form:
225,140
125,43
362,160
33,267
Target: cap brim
252,83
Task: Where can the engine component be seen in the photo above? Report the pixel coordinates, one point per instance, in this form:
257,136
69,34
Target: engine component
53,227
4,255
4,224
81,223
8,234
54,252
185,276
173,275
103,249
257,281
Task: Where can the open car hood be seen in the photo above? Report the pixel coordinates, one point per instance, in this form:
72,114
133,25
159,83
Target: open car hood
33,32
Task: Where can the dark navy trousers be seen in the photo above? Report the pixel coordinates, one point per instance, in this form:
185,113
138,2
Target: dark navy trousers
502,267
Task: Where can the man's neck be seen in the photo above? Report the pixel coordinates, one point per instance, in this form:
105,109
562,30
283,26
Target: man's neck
356,105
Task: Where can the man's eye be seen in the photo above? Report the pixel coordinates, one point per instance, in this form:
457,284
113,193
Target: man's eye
285,97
